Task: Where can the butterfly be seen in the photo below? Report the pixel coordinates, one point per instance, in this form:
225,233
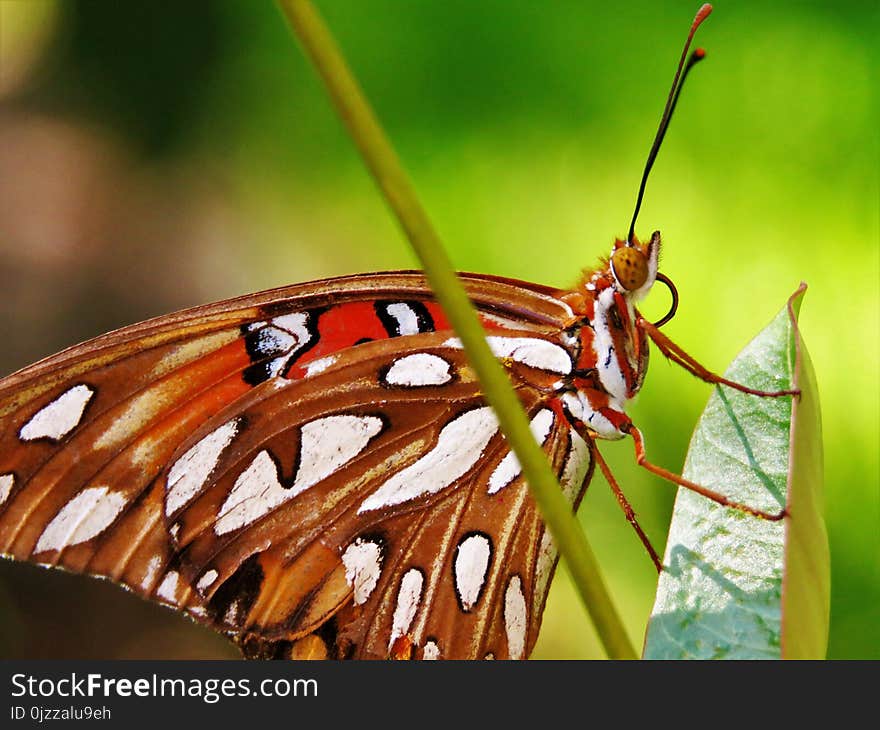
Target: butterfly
313,470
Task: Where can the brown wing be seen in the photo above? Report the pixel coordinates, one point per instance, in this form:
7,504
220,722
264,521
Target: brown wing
85,435
373,516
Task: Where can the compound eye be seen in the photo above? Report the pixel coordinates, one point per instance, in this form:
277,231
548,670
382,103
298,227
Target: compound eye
630,267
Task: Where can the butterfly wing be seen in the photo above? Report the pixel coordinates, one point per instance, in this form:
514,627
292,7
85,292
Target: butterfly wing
395,510
88,440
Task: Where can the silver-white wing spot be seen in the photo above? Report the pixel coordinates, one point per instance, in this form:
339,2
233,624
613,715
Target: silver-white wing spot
207,580
60,417
431,651
515,618
407,321
363,564
256,491
531,351
320,365
297,324
151,572
577,463
288,336
418,370
408,597
231,615
7,481
167,589
471,565
509,468
329,443
272,341
85,516
189,473
459,446
326,444
547,554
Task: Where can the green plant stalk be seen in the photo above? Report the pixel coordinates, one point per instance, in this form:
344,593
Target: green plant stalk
395,185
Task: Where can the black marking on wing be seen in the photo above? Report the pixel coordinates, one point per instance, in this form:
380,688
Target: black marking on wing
242,587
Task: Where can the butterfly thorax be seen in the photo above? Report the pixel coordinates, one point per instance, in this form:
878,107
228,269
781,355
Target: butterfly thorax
611,353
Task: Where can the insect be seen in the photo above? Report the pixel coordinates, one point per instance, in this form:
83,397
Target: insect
313,470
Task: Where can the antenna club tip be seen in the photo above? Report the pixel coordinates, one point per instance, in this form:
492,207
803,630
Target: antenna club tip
700,53
702,14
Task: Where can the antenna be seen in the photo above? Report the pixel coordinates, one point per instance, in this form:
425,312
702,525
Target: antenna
685,64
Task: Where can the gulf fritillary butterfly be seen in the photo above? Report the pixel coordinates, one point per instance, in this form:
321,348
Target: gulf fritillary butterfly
313,471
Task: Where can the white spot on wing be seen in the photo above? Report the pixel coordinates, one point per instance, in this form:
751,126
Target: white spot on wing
407,322
509,467
419,369
319,365
297,324
408,598
547,554
88,514
189,473
282,338
459,447
272,341
207,580
231,615
167,589
60,417
6,483
471,565
275,366
326,444
431,651
256,491
515,618
363,563
576,464
531,351
152,571
504,473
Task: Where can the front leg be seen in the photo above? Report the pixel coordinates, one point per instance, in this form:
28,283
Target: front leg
680,357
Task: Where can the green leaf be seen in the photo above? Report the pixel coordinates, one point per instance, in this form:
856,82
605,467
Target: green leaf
736,586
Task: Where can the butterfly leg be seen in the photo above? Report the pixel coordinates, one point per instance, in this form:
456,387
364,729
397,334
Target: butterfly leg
642,459
680,357
625,506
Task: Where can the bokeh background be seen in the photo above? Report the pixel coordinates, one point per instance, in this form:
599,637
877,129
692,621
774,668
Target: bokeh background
159,156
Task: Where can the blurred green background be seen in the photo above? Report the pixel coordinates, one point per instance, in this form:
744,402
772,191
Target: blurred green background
155,157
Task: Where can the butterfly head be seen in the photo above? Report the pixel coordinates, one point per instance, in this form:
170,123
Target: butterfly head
633,266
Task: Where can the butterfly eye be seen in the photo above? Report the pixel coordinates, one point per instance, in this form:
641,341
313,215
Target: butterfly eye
630,267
